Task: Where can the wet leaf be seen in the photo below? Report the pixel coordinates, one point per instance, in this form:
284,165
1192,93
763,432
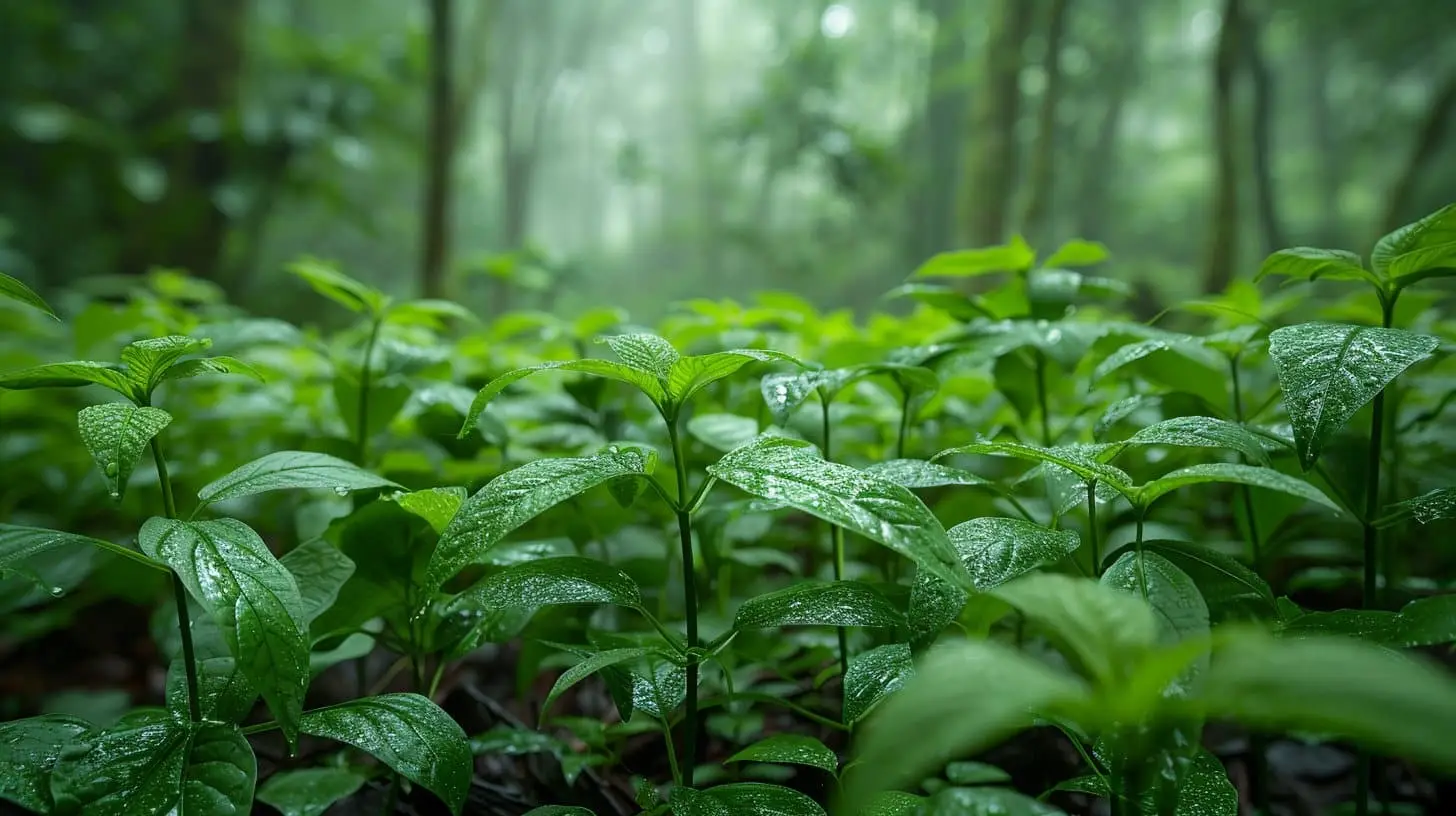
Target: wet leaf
744,799
1173,595
504,739
1311,263
117,434
290,470
559,810
620,372
1428,622
872,675
660,691
1231,589
1102,630
15,290
517,496
691,374
918,473
1261,477
309,791
1422,249
408,733
29,749
224,693
975,773
722,432
1014,256
1327,371
210,365
985,802
792,749
786,471
147,361
568,580
997,550
1428,507
1070,458
591,665
20,544
1202,432
68,375
253,599
647,353
320,571
824,603
436,505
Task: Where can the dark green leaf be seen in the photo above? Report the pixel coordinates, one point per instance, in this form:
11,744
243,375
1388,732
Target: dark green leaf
340,288
290,470
1181,610
309,791
224,693
647,383
691,374
1372,625
17,291
891,803
1310,263
744,799
589,666
117,434
408,733
874,674
559,810
1266,478
985,802
20,544
1425,508
510,741
997,550
568,580
1068,458
1419,250
1327,371
1013,256
251,596
792,749
29,749
975,773
68,375
918,473
320,570
1202,432
1229,587
826,603
385,401
786,471
1428,622
659,691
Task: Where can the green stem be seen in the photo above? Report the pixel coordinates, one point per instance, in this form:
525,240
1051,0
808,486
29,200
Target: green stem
672,755
904,424
1041,400
392,797
836,538
1259,779
179,590
690,601
1092,528
366,376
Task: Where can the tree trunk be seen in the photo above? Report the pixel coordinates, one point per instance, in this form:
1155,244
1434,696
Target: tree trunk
1326,138
935,143
1036,219
1429,138
439,152
1223,244
992,173
1099,165
1270,224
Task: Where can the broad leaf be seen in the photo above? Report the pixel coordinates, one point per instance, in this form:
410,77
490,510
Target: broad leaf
785,471
792,749
691,374
891,803
918,474
957,304
15,290
147,361
320,570
568,580
117,434
1202,432
975,773
1394,703
154,762
660,690
1181,610
290,470
68,375
723,432
1103,631
1230,588
210,365
826,603
645,382
985,802
1327,371
1077,253
517,496
29,749
251,596
309,791
436,505
224,693
997,550
408,733
1428,622
1013,256
1311,263
744,799
647,353
589,666
933,720
1428,507
1418,250
872,675
20,544
340,288
1266,478
1068,458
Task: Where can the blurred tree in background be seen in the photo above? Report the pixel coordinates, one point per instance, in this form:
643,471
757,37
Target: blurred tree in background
555,153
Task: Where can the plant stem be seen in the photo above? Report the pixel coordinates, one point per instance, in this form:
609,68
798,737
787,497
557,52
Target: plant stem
179,590
1041,400
904,424
836,538
1258,743
366,376
1092,528
690,601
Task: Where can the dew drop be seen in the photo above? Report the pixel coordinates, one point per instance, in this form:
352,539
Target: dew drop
111,469
115,494
341,490
57,592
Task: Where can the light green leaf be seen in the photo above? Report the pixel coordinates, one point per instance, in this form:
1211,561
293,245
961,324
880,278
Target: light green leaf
210,365
147,361
1077,252
20,544
1202,432
428,311
436,505
589,666
647,353
517,496
786,471
68,375
1068,458
1310,263
1394,703
791,749
251,596
1175,362
154,762
957,304
975,773
933,720
17,291
1181,610
29,749
819,603
1013,256
1102,630
340,288
891,803
620,372
1327,371
319,569
309,791
568,580
1422,249
1428,622
1425,508
1266,478
691,374
1230,588
917,474
117,434
290,470
723,432
985,802
874,674
997,550
408,733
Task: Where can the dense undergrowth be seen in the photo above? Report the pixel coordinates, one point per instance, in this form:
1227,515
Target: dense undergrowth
831,564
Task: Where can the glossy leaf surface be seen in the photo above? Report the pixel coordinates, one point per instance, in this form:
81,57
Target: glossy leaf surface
918,473
309,791
826,603
1420,249
320,570
1202,432
1261,477
1069,458
29,749
792,749
13,289
68,375
1436,505
436,505
566,580
291,470
1312,263
985,802
874,674
117,434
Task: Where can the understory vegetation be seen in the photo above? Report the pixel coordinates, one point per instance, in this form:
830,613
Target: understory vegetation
998,547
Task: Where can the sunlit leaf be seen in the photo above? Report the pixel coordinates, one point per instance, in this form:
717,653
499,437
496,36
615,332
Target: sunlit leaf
1311,263
1421,249
68,375
820,603
1013,256
290,470
17,291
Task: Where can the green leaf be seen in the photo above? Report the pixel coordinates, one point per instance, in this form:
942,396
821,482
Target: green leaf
1068,458
661,690
917,474
691,374
251,596
1013,256
428,311
1181,610
320,571
1310,263
1174,362
985,802
872,675
933,719
436,505
791,749
340,288
1371,625
1422,249
1202,432
154,762
68,375
723,432
147,361
29,749
645,382
408,733
997,550
559,810
567,580
290,470
117,434
517,496
647,353
1104,631
1428,622
1394,703
511,741
975,773
210,365
1266,478
1428,507
1207,791
17,291
224,693
309,791
891,803
785,471
744,799
1327,371
1230,588
957,304
20,544
591,665
819,603
1077,253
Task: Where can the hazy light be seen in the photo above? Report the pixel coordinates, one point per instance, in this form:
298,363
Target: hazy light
1204,26
654,41
838,19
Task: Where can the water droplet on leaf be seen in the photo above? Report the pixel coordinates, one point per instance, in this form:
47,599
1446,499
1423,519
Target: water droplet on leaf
57,592
341,490
111,469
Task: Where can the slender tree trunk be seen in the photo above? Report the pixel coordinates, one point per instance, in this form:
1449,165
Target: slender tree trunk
1223,246
935,143
1037,217
1270,224
440,151
691,94
992,174
1430,137
1325,136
